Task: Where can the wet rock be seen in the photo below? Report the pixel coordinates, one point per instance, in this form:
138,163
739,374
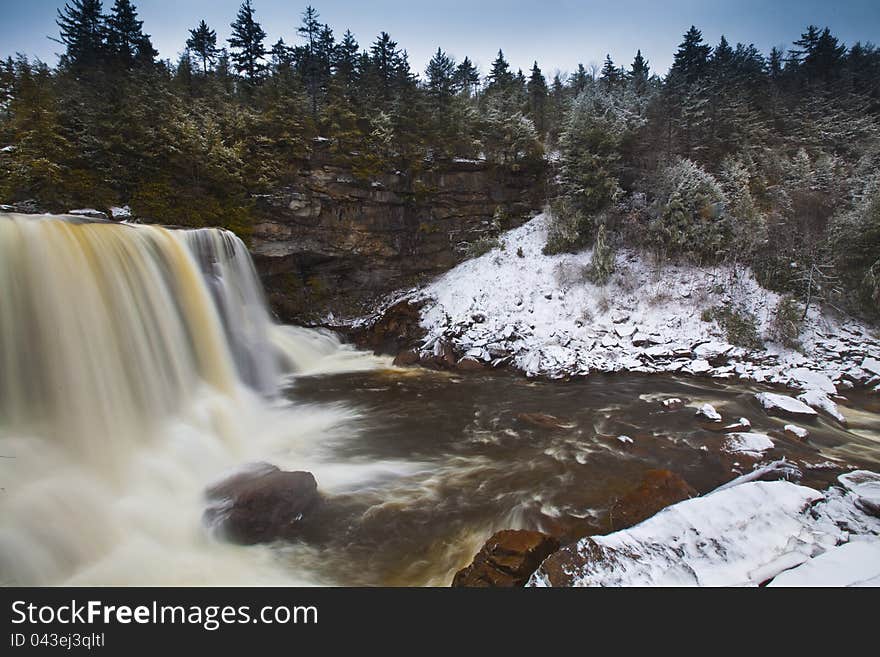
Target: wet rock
408,357
261,504
742,424
469,364
507,559
397,329
543,421
673,404
658,489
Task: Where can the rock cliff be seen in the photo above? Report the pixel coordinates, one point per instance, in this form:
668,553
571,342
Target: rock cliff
329,243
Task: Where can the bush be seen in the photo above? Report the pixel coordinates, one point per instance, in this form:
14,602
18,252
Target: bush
786,324
482,246
602,263
567,230
739,325
689,217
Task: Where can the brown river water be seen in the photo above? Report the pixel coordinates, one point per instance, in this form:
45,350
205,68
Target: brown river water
462,465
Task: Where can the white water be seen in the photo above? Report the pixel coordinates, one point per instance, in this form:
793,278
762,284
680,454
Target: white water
138,365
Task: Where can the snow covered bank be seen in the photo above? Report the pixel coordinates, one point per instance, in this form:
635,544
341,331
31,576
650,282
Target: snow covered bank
539,313
743,535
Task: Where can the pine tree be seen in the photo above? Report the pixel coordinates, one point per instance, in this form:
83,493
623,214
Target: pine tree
247,41
83,30
467,77
722,59
639,73
500,77
309,56
579,80
203,42
126,41
611,76
385,62
692,58
345,61
537,90
440,84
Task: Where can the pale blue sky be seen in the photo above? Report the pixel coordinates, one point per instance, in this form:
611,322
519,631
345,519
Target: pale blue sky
558,33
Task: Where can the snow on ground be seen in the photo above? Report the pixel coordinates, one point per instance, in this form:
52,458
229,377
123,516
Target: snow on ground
540,314
743,535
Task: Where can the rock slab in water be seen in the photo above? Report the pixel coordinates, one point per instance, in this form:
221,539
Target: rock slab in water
784,405
260,505
507,559
657,490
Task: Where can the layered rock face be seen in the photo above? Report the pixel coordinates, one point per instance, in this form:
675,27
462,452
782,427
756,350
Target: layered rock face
332,244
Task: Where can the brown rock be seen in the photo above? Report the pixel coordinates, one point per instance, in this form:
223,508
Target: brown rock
470,364
396,331
408,357
507,559
658,489
260,505
575,558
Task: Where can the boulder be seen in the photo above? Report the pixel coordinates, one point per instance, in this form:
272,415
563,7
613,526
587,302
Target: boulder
657,490
507,559
470,364
408,357
796,432
396,330
674,403
707,413
260,504
784,405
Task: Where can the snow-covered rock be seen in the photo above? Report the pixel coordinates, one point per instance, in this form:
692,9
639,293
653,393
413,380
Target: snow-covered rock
120,213
745,534
88,212
715,540
708,412
811,380
772,402
871,365
798,432
749,443
865,485
819,400
852,564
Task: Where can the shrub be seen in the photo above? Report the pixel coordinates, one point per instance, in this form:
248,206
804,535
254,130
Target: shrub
688,214
482,246
567,230
786,323
602,263
739,325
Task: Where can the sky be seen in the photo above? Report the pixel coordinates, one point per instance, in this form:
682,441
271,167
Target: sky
559,34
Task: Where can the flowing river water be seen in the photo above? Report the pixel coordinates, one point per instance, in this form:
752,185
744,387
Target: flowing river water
139,365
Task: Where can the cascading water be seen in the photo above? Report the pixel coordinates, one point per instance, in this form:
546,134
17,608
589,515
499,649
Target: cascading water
135,366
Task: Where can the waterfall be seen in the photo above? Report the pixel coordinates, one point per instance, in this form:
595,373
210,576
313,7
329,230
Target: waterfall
136,364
